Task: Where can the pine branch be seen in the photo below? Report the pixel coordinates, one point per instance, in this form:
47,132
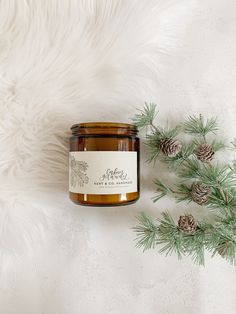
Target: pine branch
217,145
153,142
199,179
217,239
146,232
218,176
183,193
232,167
168,132
222,239
175,162
190,169
197,126
169,236
211,175
163,190
216,201
146,116
233,144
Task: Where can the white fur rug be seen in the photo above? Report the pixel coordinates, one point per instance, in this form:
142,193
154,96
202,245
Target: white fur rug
63,62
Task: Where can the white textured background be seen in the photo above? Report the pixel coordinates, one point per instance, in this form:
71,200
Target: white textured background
63,62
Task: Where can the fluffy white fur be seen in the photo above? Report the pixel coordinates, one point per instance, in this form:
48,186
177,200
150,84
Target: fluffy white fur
63,62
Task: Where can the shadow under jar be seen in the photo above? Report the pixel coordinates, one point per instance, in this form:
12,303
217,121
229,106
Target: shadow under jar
104,164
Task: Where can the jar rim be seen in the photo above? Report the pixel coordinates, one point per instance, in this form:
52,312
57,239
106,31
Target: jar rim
104,128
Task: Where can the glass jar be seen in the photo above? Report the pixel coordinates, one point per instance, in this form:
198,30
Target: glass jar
104,164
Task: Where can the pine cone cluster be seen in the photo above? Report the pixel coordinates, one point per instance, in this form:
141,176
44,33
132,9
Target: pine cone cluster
170,147
205,152
187,223
200,193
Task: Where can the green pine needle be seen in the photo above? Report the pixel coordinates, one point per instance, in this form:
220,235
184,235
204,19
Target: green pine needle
217,176
232,167
196,125
217,145
154,140
218,237
174,163
183,193
146,116
153,143
233,143
162,188
146,232
168,132
190,170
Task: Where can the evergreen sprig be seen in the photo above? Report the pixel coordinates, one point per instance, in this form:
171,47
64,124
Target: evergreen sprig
197,126
233,143
146,116
217,238
200,179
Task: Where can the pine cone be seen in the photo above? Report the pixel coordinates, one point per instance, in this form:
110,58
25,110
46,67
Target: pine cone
170,147
187,223
200,193
204,152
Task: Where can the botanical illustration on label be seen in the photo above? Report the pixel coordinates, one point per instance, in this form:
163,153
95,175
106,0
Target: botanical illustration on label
99,172
78,172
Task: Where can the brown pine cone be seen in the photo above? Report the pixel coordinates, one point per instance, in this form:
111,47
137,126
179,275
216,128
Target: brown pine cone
200,193
204,152
170,147
187,224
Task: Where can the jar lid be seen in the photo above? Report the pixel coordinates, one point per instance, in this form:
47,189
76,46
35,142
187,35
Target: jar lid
107,128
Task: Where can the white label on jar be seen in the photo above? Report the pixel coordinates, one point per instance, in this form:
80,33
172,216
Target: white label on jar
103,172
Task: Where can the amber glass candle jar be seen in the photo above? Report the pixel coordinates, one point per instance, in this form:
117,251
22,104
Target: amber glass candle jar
104,164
